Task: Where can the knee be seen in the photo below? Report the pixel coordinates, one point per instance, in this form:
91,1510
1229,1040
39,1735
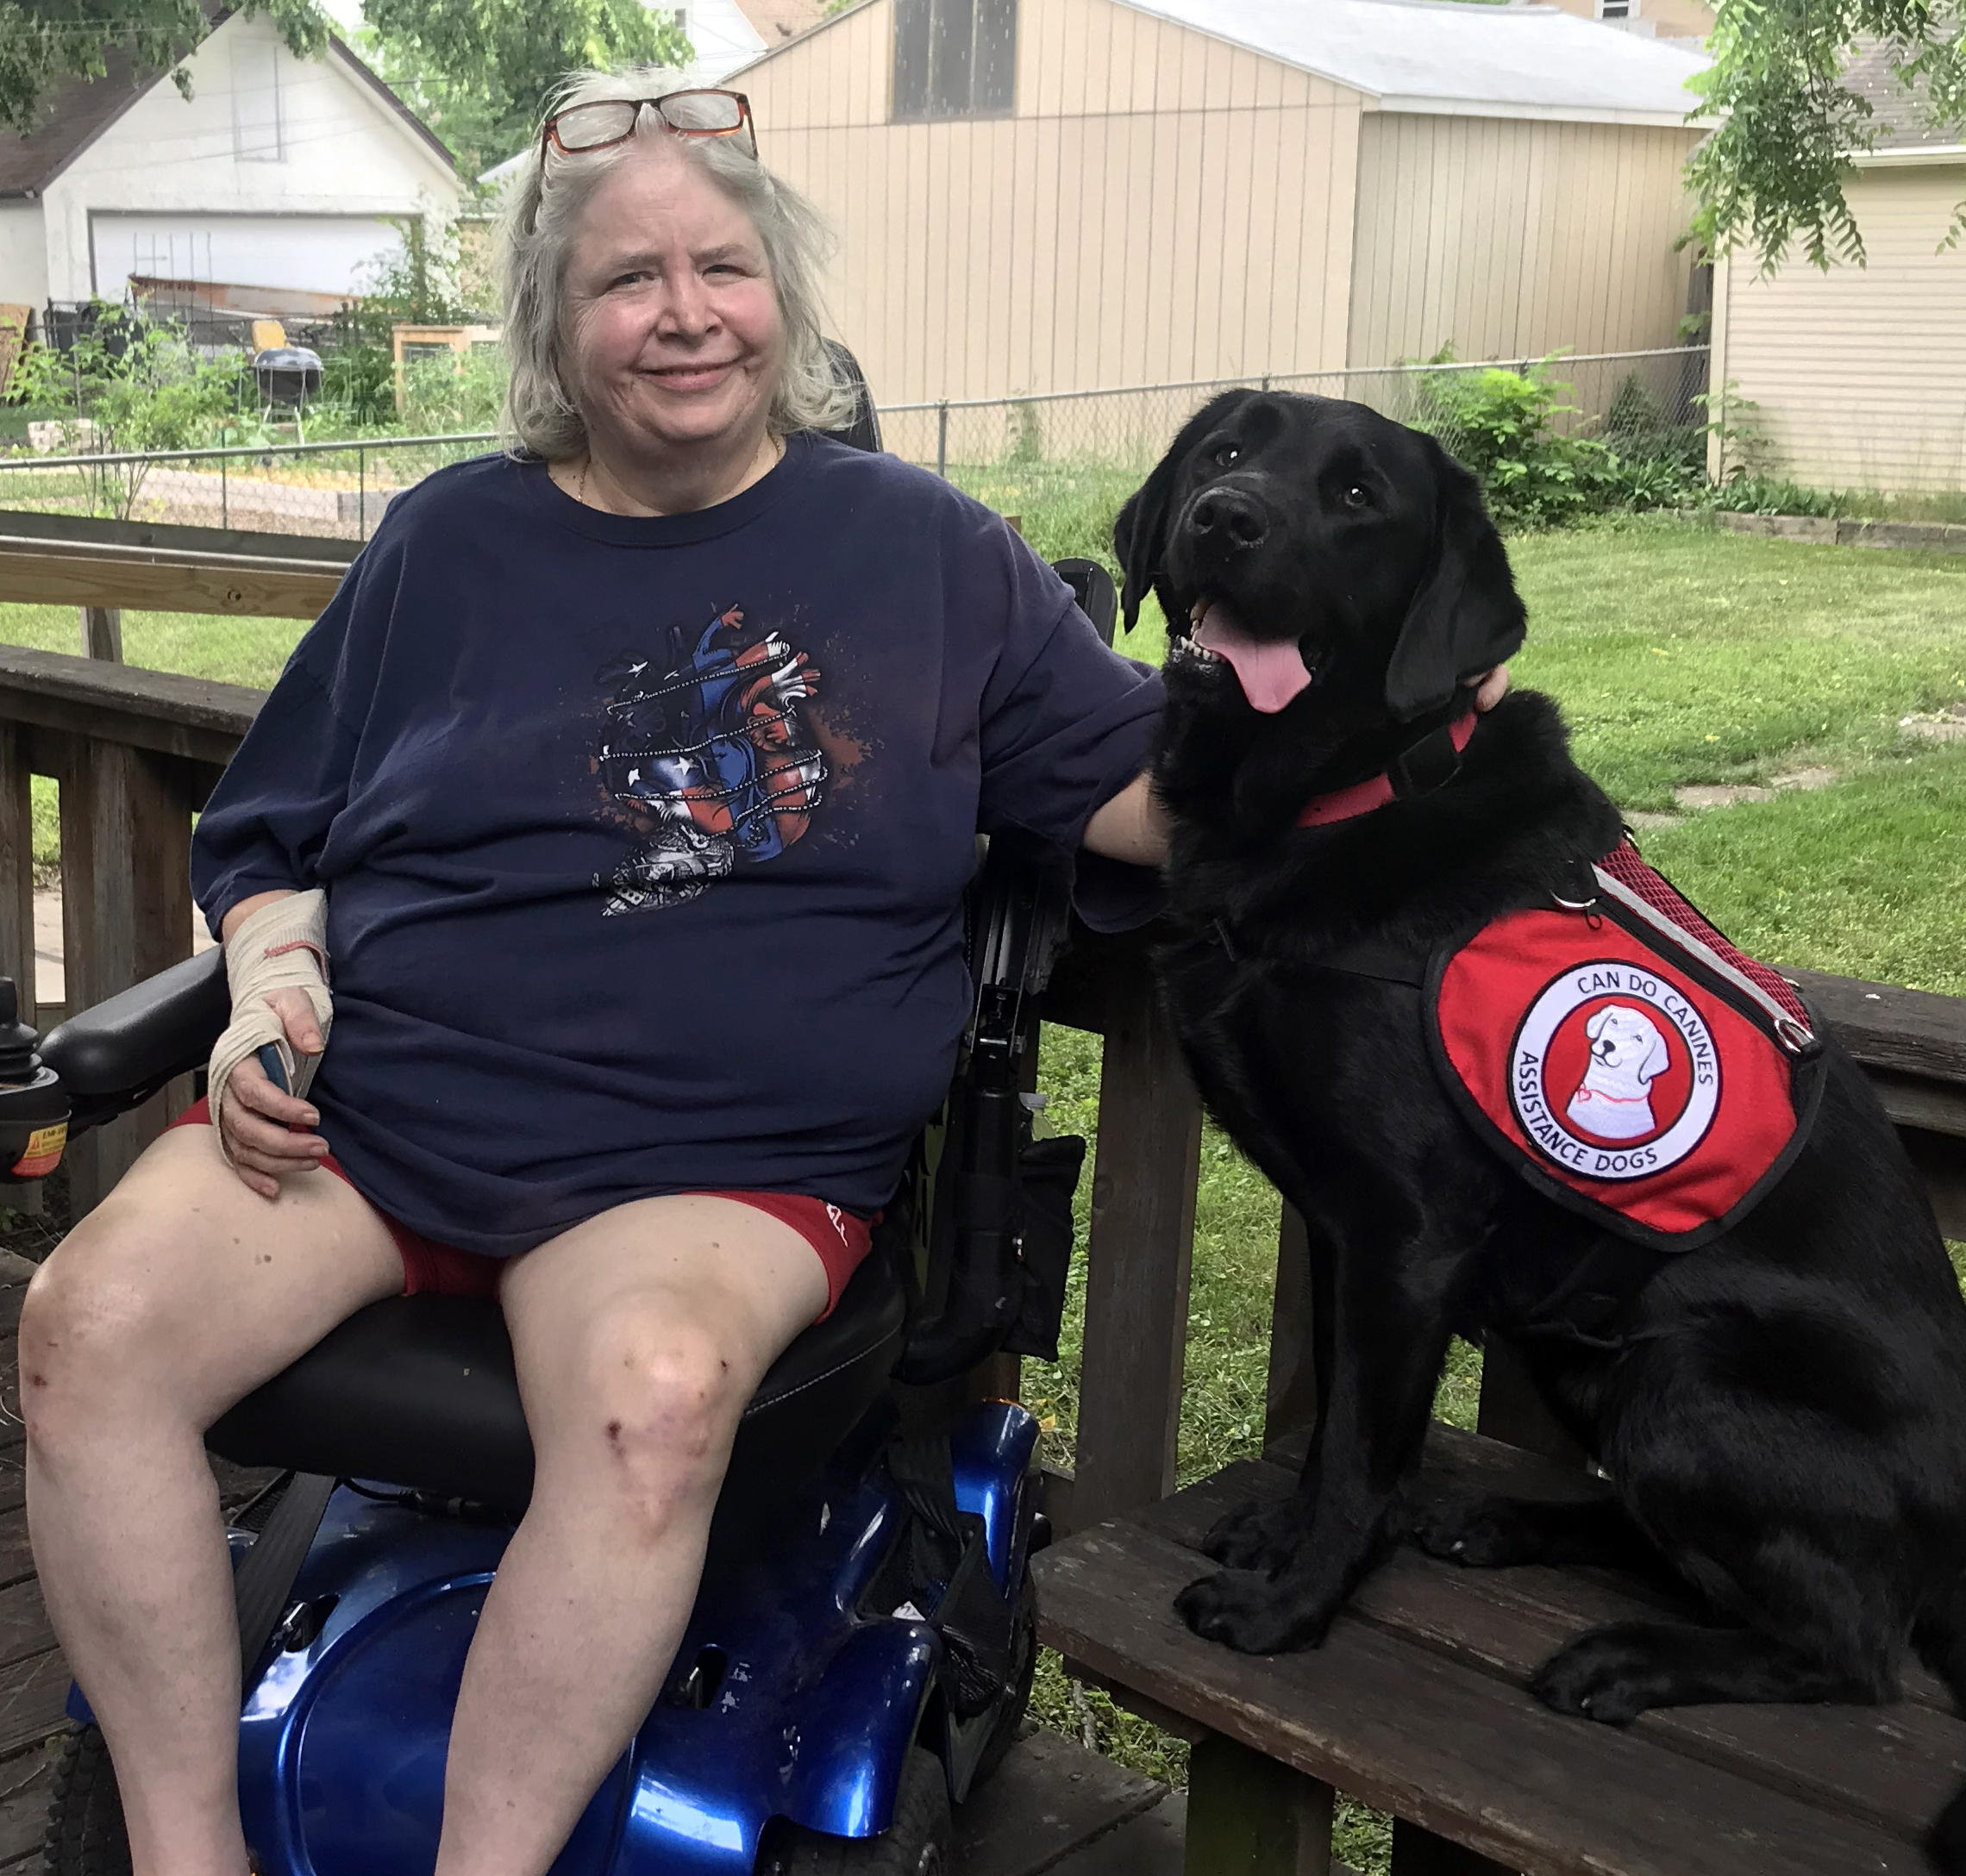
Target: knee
663,1405
91,1330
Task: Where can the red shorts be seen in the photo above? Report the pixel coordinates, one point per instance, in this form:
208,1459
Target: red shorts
842,1239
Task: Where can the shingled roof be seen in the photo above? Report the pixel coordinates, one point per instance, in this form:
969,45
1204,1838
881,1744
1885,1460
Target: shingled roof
74,113
1898,115
777,21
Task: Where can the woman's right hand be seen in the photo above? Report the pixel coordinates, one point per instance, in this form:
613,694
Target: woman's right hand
259,1122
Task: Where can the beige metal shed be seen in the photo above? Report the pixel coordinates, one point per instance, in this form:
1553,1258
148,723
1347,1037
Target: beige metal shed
1059,195
1856,378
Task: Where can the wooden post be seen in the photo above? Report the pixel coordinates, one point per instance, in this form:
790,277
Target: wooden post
1250,1816
1420,1852
102,633
126,843
1290,1408
1136,1275
17,868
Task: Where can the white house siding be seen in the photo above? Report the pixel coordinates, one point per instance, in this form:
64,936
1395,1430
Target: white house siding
23,264
720,36
263,136
1858,375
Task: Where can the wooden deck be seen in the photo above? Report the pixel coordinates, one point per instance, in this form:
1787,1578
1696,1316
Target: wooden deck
1054,1806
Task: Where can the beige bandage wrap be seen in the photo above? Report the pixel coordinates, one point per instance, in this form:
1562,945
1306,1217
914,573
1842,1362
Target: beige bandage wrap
283,946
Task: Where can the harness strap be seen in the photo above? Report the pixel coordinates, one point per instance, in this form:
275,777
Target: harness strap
1372,957
265,1575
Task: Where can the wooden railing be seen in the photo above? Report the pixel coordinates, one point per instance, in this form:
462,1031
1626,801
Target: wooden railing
136,753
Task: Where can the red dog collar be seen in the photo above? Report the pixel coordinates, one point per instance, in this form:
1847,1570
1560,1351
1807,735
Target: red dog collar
1361,798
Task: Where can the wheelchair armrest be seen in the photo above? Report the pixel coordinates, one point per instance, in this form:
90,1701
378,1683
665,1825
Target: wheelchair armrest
118,1052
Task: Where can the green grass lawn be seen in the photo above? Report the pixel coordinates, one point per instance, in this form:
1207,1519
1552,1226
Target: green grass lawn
199,644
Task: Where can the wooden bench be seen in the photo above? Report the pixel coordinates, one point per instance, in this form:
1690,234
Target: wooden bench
1418,1704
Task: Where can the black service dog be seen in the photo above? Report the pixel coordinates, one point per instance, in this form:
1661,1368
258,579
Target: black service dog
1783,1411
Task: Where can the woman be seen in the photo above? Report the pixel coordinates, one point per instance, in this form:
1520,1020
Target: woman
631,783
640,775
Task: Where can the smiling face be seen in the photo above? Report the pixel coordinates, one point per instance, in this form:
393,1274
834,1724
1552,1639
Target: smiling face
1628,1042
1295,526
674,342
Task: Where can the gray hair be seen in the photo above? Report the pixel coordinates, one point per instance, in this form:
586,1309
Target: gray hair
536,233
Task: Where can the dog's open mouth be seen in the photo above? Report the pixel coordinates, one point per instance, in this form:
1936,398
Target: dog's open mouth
1272,672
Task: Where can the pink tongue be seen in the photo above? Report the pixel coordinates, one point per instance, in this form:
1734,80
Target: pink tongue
1271,671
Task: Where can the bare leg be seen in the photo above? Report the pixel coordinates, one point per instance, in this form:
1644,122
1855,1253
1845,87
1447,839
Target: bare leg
639,1337
174,1299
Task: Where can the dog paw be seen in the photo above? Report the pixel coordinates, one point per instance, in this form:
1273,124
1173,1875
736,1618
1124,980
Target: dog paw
1598,1677
1264,1535
1245,1610
1483,1534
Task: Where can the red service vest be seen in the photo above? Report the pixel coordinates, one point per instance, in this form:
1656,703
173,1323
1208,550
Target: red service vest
1626,1059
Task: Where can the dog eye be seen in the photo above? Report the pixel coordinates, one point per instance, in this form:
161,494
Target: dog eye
1224,455
1357,496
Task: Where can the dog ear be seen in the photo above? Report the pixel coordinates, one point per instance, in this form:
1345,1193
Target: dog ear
1139,537
1658,1058
1140,532
1594,1028
1466,617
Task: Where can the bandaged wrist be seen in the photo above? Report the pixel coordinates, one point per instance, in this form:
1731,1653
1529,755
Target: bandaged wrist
283,946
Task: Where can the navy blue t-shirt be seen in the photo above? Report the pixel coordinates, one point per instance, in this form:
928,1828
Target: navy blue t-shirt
644,840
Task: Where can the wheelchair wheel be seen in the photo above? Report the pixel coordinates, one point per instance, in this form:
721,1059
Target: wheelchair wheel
85,1834
915,1844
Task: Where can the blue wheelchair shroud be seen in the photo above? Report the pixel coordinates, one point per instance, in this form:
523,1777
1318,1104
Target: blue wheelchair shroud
794,1698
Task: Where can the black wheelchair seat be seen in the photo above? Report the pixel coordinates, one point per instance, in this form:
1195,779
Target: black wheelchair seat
419,1391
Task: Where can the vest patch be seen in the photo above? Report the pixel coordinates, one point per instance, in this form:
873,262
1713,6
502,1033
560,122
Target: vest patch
1626,1059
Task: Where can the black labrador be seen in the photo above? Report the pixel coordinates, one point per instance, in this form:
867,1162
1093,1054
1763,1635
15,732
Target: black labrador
1783,1412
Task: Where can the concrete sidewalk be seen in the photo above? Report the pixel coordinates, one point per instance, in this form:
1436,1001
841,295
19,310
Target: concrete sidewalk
51,980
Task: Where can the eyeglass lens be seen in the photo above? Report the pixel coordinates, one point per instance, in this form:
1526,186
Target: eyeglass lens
588,127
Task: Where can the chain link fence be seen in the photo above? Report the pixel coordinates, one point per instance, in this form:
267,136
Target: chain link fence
1055,447
1641,403
336,490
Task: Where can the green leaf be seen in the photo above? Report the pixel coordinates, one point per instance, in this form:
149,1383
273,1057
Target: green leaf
43,40
1771,176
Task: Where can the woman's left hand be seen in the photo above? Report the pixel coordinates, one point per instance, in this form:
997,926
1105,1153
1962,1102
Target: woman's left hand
1491,688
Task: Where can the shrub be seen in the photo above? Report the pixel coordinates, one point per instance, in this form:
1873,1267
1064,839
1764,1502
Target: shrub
1500,423
415,284
1757,494
142,387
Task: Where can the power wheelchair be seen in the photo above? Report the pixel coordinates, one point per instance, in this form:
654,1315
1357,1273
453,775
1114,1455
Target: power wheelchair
861,1649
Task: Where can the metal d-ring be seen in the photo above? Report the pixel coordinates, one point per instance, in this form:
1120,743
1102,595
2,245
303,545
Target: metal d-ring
1793,1036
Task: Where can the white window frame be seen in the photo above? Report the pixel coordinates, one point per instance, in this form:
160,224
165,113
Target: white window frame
258,120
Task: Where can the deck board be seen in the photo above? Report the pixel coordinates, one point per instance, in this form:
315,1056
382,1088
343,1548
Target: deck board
1418,1704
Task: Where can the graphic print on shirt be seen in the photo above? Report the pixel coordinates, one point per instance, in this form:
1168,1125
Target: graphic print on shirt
707,755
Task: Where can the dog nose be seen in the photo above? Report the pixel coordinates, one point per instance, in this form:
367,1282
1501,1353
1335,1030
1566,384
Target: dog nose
1235,516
